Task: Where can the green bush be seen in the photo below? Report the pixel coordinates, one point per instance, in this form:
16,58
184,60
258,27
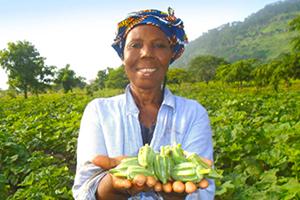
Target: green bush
256,141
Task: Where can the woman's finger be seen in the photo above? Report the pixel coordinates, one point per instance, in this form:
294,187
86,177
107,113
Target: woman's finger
106,162
139,180
151,181
207,161
121,183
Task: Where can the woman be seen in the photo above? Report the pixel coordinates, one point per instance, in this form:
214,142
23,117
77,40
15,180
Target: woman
148,41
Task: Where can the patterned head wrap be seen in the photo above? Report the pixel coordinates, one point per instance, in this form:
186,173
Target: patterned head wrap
167,22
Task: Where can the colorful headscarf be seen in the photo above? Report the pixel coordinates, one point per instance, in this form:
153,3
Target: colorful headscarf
167,22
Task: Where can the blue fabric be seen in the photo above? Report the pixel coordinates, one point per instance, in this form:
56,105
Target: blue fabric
147,133
167,22
110,126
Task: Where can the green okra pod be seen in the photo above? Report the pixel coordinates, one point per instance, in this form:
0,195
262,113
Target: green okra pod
162,167
132,171
186,171
146,156
178,154
205,170
157,168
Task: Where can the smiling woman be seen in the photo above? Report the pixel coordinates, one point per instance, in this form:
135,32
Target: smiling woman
147,55
147,42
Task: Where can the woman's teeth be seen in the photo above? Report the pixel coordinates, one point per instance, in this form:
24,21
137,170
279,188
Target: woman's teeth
147,70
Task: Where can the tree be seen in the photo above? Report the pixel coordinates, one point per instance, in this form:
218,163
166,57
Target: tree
204,67
295,55
100,79
80,82
177,75
284,67
98,83
295,26
240,71
67,78
116,78
222,73
25,67
294,61
287,67
263,73
45,79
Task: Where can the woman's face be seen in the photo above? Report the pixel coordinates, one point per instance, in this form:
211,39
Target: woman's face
147,54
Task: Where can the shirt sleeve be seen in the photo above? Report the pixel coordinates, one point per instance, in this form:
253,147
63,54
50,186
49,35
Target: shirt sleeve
199,140
90,140
90,143
86,182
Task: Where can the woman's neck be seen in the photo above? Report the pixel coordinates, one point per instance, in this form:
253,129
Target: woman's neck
144,97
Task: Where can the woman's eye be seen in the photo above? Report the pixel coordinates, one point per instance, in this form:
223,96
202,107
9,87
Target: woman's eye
160,45
136,45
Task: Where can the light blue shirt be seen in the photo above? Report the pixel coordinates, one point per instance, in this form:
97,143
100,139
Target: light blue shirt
110,126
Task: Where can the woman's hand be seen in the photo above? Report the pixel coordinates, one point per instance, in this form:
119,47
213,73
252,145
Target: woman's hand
112,187
209,162
138,184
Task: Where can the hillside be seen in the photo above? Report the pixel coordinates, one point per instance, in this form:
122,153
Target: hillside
263,35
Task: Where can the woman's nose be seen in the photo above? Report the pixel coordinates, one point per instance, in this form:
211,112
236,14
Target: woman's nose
147,51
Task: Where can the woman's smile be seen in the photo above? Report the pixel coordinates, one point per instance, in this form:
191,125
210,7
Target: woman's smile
146,72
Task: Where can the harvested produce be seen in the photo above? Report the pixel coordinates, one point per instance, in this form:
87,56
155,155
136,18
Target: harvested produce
146,157
171,169
162,168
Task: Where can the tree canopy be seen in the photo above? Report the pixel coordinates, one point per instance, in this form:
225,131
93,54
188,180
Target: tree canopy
237,72
204,67
25,67
177,75
116,78
68,79
295,26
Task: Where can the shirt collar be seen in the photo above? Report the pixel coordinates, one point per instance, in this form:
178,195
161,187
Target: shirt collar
131,107
169,99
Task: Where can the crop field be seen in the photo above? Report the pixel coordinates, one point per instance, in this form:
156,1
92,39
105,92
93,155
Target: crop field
256,141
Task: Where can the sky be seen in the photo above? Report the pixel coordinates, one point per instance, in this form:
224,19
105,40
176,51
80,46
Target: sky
80,32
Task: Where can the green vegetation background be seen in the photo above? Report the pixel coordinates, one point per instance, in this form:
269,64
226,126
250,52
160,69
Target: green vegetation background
252,99
256,137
